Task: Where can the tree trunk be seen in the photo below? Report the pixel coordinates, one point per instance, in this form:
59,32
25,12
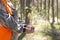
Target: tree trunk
53,12
57,9
40,6
45,7
44,4
48,8
22,5
28,10
33,2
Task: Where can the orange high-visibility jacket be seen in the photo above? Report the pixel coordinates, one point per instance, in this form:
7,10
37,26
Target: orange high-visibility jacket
5,33
7,7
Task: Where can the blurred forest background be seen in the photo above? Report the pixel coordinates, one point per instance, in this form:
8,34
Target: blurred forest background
44,15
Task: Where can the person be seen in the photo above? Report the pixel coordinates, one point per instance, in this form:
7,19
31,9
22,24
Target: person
9,26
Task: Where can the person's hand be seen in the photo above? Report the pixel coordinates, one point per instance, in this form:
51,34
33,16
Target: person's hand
29,29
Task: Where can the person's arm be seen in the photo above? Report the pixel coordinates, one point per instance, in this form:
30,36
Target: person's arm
8,10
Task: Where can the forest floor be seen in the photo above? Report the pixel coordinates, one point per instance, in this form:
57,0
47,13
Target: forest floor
43,31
